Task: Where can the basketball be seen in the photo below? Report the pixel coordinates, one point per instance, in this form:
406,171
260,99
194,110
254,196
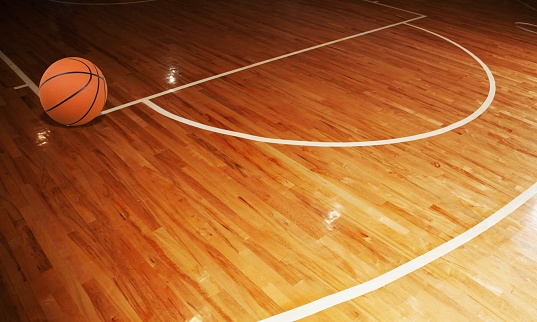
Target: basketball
73,91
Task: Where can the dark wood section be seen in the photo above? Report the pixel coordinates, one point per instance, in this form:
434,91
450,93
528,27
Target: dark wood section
140,46
138,217
380,93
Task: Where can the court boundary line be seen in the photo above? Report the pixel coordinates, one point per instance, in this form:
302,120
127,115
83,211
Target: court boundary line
524,3
388,6
478,112
407,268
100,4
27,81
385,278
240,69
518,24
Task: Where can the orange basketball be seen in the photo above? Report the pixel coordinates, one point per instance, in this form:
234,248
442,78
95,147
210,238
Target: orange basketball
73,91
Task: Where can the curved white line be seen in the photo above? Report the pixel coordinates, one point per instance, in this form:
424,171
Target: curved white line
100,4
468,119
527,5
519,24
27,81
407,268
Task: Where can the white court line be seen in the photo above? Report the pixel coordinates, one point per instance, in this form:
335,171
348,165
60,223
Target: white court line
407,268
385,5
468,119
527,5
519,24
142,100
396,273
28,82
100,4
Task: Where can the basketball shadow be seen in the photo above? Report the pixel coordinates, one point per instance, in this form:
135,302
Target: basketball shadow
49,121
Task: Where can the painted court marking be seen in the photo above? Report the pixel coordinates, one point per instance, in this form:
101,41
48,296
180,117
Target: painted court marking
386,278
27,81
524,26
392,7
172,90
527,5
468,119
100,4
407,268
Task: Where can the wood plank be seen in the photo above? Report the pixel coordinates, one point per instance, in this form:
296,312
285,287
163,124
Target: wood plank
138,217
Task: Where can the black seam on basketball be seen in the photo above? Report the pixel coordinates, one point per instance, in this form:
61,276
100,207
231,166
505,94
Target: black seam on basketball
105,89
89,68
70,73
75,93
77,72
99,78
105,85
94,100
68,98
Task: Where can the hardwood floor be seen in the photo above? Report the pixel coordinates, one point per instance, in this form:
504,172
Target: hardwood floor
137,216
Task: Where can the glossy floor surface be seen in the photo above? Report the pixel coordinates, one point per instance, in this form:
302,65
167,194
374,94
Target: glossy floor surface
255,156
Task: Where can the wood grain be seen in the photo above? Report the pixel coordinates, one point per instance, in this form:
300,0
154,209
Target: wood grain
138,217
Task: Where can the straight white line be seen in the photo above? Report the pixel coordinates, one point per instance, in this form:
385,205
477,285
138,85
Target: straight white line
407,268
142,100
527,5
468,119
21,86
19,72
385,5
100,4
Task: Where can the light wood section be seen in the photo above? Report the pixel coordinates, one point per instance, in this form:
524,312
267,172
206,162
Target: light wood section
137,217
488,279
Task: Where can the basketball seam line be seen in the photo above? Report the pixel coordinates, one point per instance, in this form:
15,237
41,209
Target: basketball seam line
90,73
70,73
69,97
94,99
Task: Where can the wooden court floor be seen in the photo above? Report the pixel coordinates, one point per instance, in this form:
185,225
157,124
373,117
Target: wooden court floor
280,160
